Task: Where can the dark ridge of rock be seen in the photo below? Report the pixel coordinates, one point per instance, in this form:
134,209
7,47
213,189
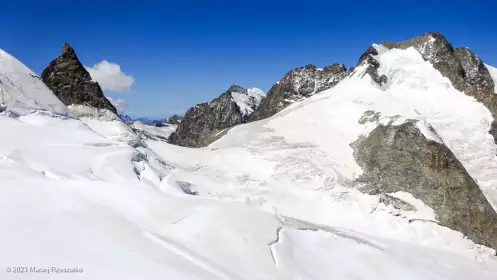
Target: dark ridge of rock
72,84
373,65
174,119
367,54
196,125
204,123
399,158
397,203
461,66
296,85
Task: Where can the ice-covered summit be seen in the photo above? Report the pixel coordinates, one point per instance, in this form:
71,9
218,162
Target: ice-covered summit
247,99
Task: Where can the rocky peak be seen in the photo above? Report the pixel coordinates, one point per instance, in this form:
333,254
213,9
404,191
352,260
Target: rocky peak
310,67
433,46
372,65
336,68
72,84
205,122
237,88
68,52
461,66
297,84
368,54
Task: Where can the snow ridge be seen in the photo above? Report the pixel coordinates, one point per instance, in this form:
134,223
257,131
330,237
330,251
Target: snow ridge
22,91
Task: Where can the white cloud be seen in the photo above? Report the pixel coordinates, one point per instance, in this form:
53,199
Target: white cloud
110,77
119,103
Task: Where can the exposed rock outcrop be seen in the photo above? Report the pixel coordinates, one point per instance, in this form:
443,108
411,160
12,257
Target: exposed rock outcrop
400,158
205,122
174,119
372,65
297,84
461,66
72,84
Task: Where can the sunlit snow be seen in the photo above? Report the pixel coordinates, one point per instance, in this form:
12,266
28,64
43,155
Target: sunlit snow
273,198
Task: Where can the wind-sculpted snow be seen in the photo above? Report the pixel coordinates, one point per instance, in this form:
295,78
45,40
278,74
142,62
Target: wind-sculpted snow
22,91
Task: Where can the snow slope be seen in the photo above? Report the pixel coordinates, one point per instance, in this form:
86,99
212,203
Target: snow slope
22,91
248,101
493,74
273,197
152,131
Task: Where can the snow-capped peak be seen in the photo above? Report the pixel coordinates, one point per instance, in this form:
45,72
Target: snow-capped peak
247,100
22,91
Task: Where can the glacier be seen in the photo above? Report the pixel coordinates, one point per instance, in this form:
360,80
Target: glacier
273,198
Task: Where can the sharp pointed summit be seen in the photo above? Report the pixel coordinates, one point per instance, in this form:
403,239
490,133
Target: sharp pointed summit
71,82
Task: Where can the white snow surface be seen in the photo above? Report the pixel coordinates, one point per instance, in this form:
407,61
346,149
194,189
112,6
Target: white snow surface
105,123
22,91
493,74
154,132
273,197
248,101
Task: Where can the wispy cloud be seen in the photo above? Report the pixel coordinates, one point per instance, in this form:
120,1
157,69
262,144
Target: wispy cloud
110,77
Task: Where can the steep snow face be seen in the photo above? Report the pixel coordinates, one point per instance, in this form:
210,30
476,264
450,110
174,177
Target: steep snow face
248,101
22,92
493,74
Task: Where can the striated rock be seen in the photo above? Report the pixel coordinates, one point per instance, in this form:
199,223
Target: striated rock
461,66
205,122
297,84
72,84
400,158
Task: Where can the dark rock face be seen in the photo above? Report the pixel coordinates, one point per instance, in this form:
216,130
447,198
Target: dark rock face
373,65
174,119
297,84
461,66
72,84
204,123
399,158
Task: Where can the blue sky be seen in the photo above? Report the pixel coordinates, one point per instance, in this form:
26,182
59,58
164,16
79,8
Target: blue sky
185,52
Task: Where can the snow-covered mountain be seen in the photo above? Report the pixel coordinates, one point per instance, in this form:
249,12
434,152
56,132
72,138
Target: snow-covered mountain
388,173
247,99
